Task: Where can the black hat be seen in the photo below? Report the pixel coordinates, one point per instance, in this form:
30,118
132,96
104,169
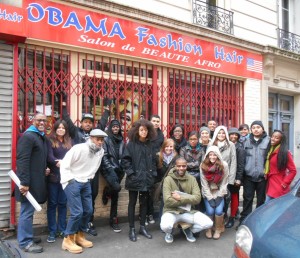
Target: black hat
234,130
115,122
87,116
257,122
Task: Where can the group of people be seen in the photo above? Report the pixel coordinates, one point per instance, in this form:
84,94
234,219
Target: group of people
194,180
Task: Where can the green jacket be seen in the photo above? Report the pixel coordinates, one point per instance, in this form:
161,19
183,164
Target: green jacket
188,184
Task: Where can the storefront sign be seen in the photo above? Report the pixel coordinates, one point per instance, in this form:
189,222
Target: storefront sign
54,22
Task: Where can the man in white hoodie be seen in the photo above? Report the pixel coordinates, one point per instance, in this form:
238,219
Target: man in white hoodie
77,168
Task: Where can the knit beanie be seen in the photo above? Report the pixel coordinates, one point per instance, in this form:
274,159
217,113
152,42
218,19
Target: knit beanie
257,122
114,122
204,128
234,130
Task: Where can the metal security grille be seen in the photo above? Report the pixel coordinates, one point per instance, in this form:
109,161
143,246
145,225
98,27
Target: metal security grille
6,102
196,98
134,90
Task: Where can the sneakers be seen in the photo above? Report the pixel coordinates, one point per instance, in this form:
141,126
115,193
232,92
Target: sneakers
150,219
115,225
91,229
51,238
36,240
60,234
189,235
169,238
33,248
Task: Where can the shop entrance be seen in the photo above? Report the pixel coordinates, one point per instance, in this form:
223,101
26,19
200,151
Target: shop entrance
281,115
134,89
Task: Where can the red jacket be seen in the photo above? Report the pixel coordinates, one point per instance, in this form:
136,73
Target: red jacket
275,178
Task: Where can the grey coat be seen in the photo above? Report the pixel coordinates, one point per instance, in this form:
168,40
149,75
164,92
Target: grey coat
255,157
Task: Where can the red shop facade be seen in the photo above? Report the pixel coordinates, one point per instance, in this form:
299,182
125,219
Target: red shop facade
51,49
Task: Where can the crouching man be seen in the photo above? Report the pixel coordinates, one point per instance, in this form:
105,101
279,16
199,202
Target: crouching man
77,168
180,193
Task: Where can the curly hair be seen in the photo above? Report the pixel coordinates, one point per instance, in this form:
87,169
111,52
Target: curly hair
67,142
133,134
167,142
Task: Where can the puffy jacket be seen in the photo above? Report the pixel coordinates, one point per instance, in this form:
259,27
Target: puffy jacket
113,158
255,157
139,163
188,184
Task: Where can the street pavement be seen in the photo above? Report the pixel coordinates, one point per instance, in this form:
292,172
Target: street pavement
117,245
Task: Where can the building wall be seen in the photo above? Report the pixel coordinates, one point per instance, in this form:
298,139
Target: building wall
247,17
282,76
252,98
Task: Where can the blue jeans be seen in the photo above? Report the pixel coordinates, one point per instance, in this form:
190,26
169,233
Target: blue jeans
210,211
79,196
25,230
56,200
268,198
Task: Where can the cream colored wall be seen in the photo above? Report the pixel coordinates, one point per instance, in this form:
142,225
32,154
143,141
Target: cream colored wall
253,101
282,76
254,20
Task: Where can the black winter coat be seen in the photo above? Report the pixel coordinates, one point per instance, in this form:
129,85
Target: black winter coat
139,164
114,159
158,141
77,133
240,161
31,165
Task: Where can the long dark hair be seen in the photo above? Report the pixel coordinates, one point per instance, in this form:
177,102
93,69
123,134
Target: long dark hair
133,134
67,142
283,151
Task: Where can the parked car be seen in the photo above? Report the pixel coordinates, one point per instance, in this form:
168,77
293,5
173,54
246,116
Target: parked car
272,230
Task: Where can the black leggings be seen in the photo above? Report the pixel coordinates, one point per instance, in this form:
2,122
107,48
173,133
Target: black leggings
143,198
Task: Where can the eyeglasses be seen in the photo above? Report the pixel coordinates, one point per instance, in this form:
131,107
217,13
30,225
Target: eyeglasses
41,120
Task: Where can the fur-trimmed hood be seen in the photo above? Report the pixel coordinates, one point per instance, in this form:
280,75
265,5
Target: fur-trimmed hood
217,130
214,149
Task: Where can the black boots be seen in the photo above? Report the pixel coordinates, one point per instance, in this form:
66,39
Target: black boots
230,222
132,235
144,232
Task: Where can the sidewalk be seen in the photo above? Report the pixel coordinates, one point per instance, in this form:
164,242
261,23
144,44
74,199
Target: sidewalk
117,245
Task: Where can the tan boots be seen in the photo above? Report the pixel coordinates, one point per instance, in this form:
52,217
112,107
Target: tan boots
208,232
70,245
220,228
81,240
74,243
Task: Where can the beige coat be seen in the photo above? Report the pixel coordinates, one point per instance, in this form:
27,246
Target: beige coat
212,190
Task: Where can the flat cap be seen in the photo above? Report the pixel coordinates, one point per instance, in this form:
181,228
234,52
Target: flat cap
98,133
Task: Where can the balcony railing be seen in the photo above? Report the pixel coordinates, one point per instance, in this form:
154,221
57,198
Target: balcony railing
212,17
288,41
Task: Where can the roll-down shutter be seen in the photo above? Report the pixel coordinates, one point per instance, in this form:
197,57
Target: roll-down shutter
6,101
